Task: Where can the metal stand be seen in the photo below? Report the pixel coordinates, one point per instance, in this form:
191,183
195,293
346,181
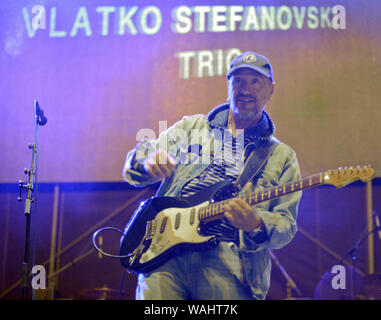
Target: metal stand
39,120
290,284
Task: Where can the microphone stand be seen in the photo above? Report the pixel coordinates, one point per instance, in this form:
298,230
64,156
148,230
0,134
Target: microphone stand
290,284
39,119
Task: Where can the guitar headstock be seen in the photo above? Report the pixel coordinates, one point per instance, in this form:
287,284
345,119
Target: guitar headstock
341,177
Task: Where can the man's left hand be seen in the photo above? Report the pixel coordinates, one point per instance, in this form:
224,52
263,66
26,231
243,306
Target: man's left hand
241,214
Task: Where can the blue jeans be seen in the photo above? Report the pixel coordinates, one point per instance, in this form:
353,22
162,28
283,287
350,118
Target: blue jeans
212,274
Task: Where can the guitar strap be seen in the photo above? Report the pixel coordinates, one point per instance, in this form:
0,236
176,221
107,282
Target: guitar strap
255,162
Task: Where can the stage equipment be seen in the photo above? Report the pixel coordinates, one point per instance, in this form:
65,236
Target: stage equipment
357,287
104,293
120,210
31,187
371,287
353,282
290,284
352,252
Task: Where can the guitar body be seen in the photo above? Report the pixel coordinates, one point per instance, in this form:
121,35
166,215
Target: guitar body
161,227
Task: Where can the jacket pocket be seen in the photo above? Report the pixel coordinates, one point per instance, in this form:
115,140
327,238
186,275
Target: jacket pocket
257,271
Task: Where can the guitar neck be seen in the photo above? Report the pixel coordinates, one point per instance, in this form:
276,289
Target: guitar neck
216,210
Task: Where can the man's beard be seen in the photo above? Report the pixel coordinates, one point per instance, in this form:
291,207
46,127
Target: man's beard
244,114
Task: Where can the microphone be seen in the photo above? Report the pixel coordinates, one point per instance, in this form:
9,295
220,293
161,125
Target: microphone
39,114
378,225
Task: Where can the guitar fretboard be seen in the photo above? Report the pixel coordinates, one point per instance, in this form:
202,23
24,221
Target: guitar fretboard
216,210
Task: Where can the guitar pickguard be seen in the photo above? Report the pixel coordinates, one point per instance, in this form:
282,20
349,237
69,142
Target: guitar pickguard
174,228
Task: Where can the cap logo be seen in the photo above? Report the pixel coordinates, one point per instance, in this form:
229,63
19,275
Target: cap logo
249,58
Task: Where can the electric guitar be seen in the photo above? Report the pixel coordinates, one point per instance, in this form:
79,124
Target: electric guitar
163,226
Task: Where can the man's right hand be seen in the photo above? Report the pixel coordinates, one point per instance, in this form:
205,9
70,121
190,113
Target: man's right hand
160,165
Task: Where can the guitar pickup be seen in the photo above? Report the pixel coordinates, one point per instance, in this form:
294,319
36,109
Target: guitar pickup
192,216
177,220
150,229
163,223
